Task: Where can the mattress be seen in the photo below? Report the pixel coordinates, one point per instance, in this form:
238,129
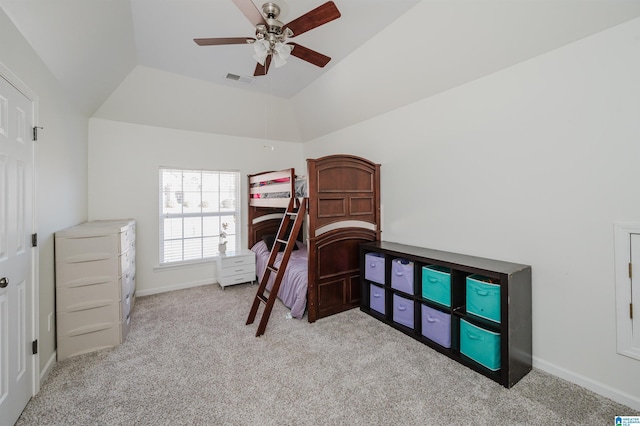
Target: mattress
293,288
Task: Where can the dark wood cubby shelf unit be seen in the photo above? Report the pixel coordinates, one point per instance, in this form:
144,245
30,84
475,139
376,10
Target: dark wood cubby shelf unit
515,304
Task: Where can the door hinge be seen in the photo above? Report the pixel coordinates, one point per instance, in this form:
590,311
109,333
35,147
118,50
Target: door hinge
34,240
34,347
35,132
631,310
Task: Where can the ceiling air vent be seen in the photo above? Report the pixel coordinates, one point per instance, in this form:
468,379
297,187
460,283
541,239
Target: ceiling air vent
240,78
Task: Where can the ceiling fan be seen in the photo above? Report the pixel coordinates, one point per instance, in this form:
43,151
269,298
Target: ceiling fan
270,41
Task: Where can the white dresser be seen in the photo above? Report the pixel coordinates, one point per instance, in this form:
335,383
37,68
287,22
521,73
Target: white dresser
95,285
236,267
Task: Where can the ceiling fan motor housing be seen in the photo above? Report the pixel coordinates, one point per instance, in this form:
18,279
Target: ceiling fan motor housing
270,10
272,31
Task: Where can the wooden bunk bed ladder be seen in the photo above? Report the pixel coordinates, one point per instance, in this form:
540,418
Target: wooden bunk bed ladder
287,233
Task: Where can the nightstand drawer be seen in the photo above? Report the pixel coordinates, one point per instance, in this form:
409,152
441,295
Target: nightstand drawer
237,270
237,279
233,261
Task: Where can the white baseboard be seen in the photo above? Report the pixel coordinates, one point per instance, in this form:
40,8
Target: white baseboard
48,367
630,401
172,288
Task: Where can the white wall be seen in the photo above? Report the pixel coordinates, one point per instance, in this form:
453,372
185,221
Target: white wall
532,164
160,98
61,168
124,160
471,39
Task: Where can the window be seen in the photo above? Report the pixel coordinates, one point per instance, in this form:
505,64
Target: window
199,209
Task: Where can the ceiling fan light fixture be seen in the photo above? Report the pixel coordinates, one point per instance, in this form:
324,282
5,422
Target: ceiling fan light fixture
261,50
281,53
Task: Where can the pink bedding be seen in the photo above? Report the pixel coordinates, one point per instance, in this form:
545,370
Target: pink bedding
293,289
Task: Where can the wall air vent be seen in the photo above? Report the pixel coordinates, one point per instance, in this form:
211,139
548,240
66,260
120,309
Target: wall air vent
240,78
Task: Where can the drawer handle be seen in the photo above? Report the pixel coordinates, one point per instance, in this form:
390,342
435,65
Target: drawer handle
482,292
399,273
376,294
433,280
473,336
431,319
402,308
373,265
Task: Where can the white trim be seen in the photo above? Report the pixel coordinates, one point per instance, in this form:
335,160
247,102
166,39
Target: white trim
16,82
345,224
622,256
48,367
186,264
266,217
140,293
630,401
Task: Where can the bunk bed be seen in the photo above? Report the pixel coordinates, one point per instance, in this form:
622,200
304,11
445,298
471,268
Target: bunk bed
343,193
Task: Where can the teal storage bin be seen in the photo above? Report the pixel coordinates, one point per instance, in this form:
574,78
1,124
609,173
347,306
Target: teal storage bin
436,284
481,345
483,297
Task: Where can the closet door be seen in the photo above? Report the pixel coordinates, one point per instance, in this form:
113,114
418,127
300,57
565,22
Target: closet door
16,280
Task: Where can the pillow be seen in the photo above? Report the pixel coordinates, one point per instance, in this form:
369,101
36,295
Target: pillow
260,248
270,239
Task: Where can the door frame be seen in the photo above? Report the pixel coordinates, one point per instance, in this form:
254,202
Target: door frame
16,82
622,259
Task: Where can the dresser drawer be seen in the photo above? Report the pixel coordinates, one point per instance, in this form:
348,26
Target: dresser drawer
79,249
76,298
95,271
92,339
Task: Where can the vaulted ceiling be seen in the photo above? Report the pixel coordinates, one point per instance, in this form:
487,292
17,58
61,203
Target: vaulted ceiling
385,53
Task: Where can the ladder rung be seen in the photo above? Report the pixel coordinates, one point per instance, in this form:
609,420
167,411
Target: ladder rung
272,269
282,241
292,213
262,298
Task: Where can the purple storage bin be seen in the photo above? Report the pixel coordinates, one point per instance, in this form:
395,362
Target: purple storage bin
374,267
402,275
376,298
403,310
436,326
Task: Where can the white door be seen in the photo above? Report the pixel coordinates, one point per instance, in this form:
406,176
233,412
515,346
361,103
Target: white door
16,279
634,310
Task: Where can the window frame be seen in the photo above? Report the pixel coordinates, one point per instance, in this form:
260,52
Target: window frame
233,233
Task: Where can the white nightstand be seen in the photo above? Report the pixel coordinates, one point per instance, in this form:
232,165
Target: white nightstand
235,267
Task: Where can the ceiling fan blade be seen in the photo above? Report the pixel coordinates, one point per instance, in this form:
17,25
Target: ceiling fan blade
223,40
311,56
262,69
314,18
250,10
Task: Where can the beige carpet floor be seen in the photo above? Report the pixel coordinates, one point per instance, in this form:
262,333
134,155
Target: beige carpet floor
191,360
